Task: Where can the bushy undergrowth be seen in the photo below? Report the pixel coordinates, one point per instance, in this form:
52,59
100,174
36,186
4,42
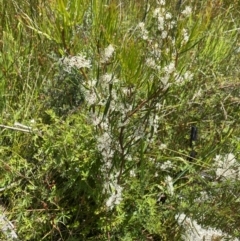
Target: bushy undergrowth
98,99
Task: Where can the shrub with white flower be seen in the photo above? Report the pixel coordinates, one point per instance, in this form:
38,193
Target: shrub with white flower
131,96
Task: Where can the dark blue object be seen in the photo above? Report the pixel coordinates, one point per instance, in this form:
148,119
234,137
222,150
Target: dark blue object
193,136
192,155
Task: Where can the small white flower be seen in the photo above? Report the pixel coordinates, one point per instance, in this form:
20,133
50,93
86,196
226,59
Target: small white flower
166,165
92,83
104,141
141,25
95,119
162,146
91,97
165,79
150,62
156,51
132,173
161,22
170,68
108,53
171,25
104,125
179,79
168,15
161,2
185,35
109,78
187,11
188,75
164,34
156,12
110,201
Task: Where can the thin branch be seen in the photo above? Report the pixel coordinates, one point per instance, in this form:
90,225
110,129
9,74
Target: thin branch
16,128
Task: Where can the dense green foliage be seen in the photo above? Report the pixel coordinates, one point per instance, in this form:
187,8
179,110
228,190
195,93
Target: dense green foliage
109,90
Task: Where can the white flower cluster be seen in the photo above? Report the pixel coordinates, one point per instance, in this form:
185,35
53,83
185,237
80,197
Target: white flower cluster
160,18
105,147
132,173
78,62
194,232
155,54
144,32
115,190
164,20
227,167
108,78
187,11
185,36
180,79
161,2
151,63
108,53
94,96
91,97
169,69
106,143
166,165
